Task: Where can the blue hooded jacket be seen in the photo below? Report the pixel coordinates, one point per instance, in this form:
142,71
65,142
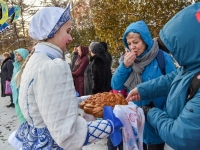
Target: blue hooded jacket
141,28
150,72
179,124
24,53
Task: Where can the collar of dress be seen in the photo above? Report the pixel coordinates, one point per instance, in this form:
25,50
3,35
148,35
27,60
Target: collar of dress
50,49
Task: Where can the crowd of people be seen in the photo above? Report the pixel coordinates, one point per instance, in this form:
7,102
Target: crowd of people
45,86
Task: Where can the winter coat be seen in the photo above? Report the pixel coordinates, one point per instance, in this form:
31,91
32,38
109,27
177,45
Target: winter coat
15,90
47,99
6,74
109,57
107,54
12,55
151,71
179,124
79,69
97,76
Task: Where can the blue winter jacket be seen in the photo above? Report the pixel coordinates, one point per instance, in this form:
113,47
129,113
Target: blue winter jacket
179,124
150,72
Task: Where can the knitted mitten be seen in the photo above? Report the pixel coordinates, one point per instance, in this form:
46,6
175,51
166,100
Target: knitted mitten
101,129
98,129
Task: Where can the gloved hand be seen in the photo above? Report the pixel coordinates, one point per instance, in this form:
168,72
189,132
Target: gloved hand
116,136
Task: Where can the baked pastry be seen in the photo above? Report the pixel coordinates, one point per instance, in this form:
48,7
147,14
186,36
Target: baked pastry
82,104
94,104
88,108
98,112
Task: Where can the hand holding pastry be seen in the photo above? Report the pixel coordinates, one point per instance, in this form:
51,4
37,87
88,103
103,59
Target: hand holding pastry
129,59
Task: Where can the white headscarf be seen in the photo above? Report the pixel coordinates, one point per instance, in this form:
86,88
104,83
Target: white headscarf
46,22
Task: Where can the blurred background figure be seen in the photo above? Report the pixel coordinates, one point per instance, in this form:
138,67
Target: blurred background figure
108,55
68,59
79,69
74,55
97,76
6,74
20,56
12,56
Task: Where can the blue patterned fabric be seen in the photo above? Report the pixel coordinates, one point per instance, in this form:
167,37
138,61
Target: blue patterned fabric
35,138
63,19
97,130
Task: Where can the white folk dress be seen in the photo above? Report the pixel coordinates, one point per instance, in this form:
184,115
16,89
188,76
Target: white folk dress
48,102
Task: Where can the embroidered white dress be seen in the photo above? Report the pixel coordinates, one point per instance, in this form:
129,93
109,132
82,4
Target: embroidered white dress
47,100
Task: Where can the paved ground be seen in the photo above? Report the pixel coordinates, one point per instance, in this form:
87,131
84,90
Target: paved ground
9,123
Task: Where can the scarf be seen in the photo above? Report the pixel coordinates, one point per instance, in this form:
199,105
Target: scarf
138,67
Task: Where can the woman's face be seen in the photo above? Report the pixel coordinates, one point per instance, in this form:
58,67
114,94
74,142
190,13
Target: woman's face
62,37
18,57
79,51
135,43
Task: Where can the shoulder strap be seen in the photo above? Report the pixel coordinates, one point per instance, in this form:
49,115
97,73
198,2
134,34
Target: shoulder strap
161,61
194,85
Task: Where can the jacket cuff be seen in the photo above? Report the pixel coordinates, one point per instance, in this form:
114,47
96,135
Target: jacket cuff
122,68
142,91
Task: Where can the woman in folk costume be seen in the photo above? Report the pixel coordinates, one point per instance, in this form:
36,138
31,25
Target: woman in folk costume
20,56
79,69
47,95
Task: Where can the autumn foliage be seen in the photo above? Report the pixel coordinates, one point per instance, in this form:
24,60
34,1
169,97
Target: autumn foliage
111,17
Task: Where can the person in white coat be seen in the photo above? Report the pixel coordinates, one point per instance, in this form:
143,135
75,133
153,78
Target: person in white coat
47,95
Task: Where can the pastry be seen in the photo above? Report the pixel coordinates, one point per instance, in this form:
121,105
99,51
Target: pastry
94,104
88,108
82,104
98,112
